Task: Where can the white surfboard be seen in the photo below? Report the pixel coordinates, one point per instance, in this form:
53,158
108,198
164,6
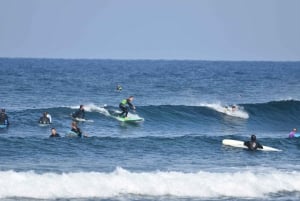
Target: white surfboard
83,120
240,144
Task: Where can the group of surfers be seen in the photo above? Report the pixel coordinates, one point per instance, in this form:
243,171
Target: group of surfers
125,105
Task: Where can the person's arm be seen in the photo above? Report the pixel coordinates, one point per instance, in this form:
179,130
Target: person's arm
247,144
131,106
259,146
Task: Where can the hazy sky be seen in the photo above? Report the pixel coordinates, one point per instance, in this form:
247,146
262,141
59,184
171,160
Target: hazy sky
153,29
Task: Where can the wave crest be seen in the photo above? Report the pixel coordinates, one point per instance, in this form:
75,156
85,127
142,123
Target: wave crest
121,181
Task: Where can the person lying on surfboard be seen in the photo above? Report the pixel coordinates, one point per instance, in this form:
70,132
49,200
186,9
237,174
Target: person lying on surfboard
253,144
80,114
123,106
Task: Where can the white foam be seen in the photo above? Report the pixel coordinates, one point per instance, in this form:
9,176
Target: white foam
248,184
240,112
91,107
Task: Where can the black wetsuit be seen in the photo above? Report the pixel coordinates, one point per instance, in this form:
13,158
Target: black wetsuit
124,108
44,120
253,145
77,131
79,114
56,135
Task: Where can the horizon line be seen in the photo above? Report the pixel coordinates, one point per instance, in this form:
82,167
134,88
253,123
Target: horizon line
143,59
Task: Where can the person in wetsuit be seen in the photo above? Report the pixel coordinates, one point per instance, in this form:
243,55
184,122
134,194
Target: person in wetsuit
3,118
253,144
44,119
80,113
292,133
123,106
76,129
54,133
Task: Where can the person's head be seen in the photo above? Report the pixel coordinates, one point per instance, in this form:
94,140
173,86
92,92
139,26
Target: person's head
45,114
295,129
130,98
53,131
81,107
253,138
74,124
2,110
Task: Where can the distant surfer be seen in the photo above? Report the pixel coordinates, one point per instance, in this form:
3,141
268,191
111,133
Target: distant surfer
231,108
119,88
3,118
80,114
123,106
54,133
253,144
44,119
293,133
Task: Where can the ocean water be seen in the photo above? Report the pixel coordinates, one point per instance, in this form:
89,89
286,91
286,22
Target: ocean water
175,154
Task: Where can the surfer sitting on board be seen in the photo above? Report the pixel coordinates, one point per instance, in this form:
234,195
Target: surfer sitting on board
123,106
292,133
253,144
80,113
44,119
76,129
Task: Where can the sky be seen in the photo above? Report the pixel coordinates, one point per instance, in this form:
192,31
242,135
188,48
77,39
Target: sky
155,29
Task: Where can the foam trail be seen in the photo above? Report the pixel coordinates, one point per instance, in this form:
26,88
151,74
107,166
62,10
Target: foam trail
245,184
241,113
91,107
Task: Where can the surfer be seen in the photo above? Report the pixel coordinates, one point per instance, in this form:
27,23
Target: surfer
253,144
292,133
44,119
3,118
119,88
123,106
54,133
76,129
80,113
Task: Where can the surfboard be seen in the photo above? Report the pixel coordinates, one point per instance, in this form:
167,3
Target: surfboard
297,135
44,125
240,144
3,126
83,120
129,119
71,134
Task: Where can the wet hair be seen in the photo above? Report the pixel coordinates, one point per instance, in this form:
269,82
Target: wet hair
81,106
253,137
74,123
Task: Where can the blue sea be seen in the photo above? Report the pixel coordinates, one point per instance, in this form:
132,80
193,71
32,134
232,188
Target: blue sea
176,153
